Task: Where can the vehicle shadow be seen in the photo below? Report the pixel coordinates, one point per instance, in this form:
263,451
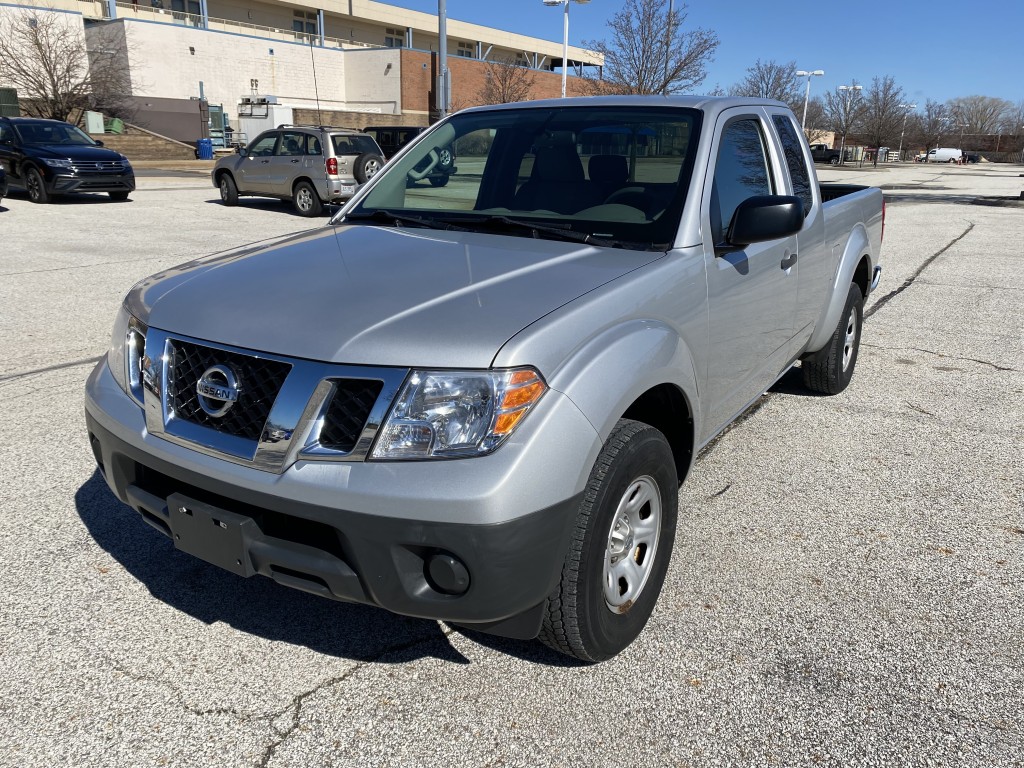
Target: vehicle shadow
276,206
82,198
257,606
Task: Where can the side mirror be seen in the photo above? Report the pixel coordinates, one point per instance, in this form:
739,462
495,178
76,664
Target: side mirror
763,218
240,150
98,142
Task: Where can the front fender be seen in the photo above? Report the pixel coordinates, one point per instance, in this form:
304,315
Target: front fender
615,367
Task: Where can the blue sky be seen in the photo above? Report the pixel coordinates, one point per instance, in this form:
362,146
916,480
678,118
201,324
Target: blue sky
939,49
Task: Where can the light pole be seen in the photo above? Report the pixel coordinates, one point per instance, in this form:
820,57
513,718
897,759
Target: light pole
807,96
906,113
565,36
849,93
668,44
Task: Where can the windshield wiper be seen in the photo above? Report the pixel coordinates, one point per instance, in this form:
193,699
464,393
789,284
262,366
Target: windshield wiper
505,224
401,219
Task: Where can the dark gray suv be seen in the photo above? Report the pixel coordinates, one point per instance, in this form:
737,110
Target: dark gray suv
310,165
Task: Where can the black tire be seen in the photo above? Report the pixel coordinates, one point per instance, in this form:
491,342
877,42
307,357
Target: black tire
830,370
228,189
834,160
118,196
438,181
36,187
306,200
366,166
579,619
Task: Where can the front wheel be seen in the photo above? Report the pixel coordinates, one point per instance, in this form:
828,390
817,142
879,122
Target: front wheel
830,370
118,196
620,550
834,161
36,187
228,190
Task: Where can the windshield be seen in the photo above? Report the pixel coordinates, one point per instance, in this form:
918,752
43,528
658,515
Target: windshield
615,174
45,132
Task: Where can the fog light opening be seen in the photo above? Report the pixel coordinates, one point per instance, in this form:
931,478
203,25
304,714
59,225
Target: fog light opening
447,574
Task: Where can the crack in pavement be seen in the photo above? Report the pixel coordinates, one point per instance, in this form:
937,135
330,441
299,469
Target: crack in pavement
917,273
299,700
82,266
49,368
942,355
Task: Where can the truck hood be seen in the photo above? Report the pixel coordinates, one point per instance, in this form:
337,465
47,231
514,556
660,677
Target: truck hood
368,295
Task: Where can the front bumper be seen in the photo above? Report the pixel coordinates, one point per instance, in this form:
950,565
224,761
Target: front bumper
493,574
63,184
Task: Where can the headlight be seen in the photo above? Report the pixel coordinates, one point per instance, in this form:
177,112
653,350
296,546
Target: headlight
57,163
127,353
449,414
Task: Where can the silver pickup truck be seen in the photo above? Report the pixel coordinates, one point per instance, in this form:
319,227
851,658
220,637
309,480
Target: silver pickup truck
475,403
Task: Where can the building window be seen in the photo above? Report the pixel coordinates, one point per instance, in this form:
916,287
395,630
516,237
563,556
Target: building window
394,38
304,24
466,50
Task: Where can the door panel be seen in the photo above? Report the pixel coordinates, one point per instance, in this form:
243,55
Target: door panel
254,170
751,297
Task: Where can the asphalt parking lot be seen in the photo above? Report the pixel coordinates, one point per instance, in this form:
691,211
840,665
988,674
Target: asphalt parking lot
845,588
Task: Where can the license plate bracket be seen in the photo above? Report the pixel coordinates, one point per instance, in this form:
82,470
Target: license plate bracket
212,534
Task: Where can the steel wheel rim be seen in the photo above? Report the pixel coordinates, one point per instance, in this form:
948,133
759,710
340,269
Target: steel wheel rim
632,545
224,190
304,199
851,338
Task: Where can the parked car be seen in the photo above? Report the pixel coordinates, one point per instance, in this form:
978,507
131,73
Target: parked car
944,155
478,407
310,165
392,138
972,157
822,153
3,183
48,158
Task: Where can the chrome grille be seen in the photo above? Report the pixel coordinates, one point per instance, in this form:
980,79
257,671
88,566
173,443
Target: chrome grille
350,406
260,381
99,166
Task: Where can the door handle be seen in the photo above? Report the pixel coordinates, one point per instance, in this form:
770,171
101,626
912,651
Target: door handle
789,261
295,161
264,162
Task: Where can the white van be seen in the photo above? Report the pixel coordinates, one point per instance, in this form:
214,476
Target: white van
944,155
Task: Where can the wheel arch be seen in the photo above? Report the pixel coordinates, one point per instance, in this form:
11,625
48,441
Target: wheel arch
854,267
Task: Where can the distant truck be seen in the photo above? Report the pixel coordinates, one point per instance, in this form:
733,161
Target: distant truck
821,153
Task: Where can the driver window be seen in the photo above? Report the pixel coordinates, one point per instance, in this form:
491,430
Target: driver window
263,146
741,171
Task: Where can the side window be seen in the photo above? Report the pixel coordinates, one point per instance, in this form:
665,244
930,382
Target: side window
795,160
292,144
314,147
6,134
263,146
741,171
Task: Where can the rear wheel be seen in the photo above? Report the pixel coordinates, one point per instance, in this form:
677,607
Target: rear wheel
620,550
36,187
830,370
118,196
228,190
306,200
834,160
438,181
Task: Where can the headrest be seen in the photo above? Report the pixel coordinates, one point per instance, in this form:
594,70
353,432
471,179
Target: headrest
608,169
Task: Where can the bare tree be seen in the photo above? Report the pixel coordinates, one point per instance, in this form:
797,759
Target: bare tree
842,111
817,125
652,51
505,82
882,116
771,80
980,114
44,56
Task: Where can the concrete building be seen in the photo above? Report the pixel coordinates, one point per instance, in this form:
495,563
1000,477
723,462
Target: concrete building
348,62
